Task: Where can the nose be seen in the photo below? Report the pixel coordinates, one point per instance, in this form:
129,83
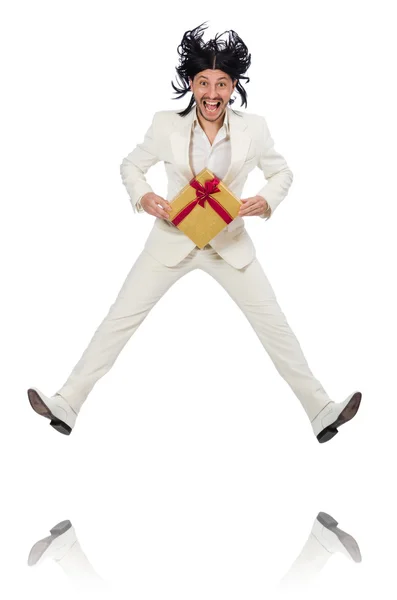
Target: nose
212,93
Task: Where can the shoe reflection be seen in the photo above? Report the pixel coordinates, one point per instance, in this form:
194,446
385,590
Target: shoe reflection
325,539
63,547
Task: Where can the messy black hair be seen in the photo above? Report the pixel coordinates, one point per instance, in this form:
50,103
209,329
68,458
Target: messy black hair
230,56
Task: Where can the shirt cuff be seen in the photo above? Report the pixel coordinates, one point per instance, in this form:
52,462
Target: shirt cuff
267,214
138,206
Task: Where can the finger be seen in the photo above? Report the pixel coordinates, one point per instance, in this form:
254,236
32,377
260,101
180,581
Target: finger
163,214
246,208
160,210
252,209
245,204
155,210
166,208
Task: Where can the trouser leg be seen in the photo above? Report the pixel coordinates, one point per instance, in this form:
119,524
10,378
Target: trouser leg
251,290
146,283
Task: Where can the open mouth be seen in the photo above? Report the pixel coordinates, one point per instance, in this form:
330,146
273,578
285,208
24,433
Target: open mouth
211,107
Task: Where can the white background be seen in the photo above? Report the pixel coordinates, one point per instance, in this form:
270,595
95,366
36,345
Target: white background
193,471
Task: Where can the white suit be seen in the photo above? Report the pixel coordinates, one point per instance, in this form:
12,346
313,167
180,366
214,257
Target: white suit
230,258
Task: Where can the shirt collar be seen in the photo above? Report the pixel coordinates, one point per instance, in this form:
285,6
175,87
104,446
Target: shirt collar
225,121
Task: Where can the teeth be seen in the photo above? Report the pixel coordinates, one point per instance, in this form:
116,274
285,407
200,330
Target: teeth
210,106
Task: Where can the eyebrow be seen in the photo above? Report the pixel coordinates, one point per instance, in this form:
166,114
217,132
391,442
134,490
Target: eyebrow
219,78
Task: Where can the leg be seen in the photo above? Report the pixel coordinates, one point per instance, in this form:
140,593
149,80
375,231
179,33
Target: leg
145,284
251,290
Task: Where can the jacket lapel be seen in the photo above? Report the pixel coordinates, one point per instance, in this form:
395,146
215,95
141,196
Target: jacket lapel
240,141
180,141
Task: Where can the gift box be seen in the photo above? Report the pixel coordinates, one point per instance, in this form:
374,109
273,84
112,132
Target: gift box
203,208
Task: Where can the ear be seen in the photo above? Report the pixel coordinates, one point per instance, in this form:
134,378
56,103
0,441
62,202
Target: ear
191,84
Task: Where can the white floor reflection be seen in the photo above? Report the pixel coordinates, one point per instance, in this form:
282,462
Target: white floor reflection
325,539
63,547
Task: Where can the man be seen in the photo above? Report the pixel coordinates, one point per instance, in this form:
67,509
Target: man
208,133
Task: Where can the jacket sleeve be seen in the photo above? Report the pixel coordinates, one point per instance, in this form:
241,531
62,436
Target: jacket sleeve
136,164
277,173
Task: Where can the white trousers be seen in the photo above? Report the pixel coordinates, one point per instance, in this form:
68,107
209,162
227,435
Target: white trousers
147,282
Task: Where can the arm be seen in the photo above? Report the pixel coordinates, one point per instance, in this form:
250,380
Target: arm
277,173
136,164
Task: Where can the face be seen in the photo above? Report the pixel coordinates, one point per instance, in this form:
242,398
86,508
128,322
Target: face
212,89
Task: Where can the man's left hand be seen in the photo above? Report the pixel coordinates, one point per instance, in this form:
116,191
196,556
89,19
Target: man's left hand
254,206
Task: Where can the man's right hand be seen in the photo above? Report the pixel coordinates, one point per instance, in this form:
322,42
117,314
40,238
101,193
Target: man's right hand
150,202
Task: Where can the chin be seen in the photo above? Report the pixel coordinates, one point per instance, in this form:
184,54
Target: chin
214,117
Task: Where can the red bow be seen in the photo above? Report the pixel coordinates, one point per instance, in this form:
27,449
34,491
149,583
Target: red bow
203,193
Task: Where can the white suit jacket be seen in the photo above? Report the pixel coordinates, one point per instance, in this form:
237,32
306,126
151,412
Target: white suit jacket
168,140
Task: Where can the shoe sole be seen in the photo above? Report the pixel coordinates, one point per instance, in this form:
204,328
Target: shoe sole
38,405
347,413
347,540
41,546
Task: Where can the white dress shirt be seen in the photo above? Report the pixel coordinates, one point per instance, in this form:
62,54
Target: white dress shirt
202,155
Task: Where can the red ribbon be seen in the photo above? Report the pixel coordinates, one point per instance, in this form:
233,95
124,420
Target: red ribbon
203,193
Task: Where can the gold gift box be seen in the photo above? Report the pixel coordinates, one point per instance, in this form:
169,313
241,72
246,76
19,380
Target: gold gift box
203,223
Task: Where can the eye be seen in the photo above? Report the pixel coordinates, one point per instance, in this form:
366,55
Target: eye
222,83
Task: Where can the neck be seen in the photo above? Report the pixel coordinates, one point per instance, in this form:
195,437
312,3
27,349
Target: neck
210,127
